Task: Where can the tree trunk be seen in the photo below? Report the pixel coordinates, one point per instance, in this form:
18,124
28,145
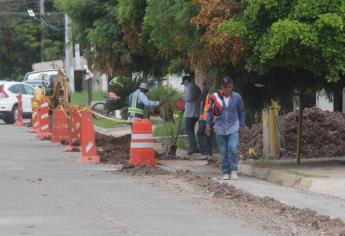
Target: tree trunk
300,130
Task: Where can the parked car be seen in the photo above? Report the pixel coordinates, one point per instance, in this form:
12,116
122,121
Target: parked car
9,102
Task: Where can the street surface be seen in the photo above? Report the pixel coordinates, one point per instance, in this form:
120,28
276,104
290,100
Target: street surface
45,193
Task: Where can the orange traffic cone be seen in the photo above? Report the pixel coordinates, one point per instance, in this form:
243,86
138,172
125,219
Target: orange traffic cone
87,136
60,125
19,121
141,151
44,122
74,129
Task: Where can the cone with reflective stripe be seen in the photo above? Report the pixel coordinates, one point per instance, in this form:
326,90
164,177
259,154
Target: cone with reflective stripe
44,122
141,151
74,130
34,119
60,126
87,136
19,118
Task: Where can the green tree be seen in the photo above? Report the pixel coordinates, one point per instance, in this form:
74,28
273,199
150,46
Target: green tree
169,26
111,35
20,37
300,35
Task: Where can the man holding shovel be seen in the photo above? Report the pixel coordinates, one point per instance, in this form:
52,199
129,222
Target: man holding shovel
227,111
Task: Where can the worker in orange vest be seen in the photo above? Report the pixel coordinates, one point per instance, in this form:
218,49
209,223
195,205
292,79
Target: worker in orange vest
205,142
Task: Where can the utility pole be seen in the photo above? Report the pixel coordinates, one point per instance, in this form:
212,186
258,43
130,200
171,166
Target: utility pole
42,26
69,67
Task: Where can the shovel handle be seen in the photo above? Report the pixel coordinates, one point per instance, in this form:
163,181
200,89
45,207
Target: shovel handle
178,129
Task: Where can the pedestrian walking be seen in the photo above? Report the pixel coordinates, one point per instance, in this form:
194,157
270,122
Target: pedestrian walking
192,95
227,112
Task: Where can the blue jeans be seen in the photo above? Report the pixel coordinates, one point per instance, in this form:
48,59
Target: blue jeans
228,150
205,142
190,130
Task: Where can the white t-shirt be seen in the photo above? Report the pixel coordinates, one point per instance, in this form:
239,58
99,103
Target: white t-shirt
226,100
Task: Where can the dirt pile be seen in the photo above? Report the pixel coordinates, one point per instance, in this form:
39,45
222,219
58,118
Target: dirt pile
113,150
323,135
251,138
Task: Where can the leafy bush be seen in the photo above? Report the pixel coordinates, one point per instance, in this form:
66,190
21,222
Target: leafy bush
169,129
170,96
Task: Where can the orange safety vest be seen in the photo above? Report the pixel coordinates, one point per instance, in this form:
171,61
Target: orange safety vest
204,111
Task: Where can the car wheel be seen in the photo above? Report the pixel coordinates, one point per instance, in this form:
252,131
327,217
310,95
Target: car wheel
6,120
13,116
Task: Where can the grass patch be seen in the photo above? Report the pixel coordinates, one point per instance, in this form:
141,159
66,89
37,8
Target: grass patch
264,164
104,123
80,98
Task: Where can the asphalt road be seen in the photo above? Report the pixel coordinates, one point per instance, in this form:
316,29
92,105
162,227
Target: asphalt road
45,193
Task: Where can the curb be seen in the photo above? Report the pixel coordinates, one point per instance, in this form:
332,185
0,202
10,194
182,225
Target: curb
278,176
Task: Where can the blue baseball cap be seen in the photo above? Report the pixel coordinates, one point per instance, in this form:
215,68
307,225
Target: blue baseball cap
227,80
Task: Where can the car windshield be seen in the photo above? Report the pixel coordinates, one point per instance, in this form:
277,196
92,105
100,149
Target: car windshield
34,84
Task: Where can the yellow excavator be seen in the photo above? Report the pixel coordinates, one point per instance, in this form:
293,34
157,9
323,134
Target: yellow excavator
60,91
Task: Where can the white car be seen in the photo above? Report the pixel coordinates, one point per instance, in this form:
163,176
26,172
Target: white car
9,102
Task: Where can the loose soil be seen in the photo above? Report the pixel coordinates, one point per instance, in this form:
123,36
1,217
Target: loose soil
264,212
142,170
323,135
113,150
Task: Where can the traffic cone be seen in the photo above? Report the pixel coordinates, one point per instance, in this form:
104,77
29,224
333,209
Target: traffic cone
87,138
44,122
74,129
141,150
19,118
60,125
34,119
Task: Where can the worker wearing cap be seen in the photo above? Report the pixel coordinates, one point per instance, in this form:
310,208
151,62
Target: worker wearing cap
137,102
227,112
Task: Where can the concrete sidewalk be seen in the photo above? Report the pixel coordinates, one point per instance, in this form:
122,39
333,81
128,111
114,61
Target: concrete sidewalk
326,176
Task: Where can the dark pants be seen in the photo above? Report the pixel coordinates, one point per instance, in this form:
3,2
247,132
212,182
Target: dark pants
190,130
205,142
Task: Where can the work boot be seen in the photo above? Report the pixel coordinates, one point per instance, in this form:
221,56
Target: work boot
234,175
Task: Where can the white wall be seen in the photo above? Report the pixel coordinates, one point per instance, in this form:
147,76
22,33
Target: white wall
174,81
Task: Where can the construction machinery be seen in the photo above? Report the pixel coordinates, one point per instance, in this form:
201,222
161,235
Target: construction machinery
53,84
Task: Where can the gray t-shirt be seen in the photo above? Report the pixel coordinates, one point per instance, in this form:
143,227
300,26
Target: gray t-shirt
192,95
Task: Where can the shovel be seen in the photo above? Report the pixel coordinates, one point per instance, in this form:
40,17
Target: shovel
173,147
